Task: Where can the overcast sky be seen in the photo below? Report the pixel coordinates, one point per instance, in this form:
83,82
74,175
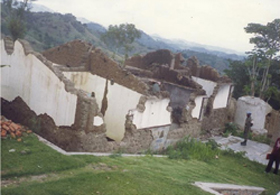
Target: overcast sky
211,22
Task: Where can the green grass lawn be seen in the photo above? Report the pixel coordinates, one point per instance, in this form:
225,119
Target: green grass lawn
41,170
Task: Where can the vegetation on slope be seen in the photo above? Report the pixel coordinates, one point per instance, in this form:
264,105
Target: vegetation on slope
42,170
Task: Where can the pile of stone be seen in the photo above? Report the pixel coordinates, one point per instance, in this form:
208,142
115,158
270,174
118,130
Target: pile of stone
9,128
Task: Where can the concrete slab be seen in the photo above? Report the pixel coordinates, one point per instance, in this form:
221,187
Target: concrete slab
255,151
219,188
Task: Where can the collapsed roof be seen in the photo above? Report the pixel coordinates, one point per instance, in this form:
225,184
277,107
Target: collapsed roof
78,55
161,65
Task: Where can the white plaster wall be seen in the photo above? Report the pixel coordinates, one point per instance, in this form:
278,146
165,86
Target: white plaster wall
155,114
256,106
207,85
89,83
221,98
37,85
198,104
120,101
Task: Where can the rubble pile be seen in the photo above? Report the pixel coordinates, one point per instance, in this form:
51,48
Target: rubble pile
9,128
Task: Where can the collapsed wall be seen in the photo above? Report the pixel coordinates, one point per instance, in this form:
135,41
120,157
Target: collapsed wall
107,81
66,137
37,83
162,56
205,72
116,90
272,124
162,65
104,95
46,97
212,104
217,106
93,60
84,131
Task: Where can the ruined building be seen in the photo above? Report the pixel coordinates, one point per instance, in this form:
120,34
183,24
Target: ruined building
81,100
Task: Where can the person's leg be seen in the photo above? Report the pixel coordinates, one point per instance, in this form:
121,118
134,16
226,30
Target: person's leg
276,166
270,163
245,138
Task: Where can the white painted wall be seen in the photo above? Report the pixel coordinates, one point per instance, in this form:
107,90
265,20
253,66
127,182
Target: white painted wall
207,85
221,98
37,85
257,107
89,83
155,114
120,101
198,104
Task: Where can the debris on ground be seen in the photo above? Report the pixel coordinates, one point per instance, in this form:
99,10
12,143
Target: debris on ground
14,130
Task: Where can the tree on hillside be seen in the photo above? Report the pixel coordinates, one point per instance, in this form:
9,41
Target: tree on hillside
238,73
241,73
267,46
121,36
16,20
259,74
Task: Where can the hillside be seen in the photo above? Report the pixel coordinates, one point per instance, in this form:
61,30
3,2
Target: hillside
27,170
46,30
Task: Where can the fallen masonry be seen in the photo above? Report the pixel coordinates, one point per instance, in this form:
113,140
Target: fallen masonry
78,98
9,128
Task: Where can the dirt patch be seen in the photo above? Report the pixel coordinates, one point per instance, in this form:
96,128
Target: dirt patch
103,167
18,180
52,176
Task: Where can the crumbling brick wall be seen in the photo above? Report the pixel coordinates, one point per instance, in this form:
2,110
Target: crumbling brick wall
84,112
191,128
215,119
272,125
66,137
179,59
162,56
173,76
193,65
65,55
103,66
82,135
205,72
81,56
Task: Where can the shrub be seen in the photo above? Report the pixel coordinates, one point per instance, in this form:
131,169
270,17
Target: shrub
231,129
191,148
213,144
261,139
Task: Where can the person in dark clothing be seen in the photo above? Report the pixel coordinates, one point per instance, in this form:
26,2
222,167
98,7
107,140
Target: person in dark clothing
274,156
247,128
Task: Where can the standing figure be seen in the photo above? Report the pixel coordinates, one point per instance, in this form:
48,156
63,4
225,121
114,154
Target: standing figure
247,128
274,156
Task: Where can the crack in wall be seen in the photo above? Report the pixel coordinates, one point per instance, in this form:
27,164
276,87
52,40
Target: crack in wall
104,105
